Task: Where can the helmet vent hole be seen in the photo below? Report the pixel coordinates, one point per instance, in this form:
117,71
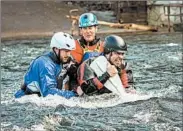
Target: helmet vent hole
85,17
68,45
65,35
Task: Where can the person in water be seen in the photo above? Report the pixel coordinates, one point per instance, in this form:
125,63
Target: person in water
87,46
114,50
43,74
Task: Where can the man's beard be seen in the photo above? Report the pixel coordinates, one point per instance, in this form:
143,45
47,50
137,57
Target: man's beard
65,60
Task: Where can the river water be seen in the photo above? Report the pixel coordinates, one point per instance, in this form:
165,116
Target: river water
157,65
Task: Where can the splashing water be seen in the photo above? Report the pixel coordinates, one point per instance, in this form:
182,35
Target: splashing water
157,67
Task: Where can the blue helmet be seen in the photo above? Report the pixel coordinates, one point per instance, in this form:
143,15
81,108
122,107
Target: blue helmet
87,19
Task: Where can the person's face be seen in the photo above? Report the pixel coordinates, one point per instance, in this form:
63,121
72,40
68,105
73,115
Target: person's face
88,33
64,55
117,58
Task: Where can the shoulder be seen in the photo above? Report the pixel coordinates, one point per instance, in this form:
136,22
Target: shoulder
78,43
45,61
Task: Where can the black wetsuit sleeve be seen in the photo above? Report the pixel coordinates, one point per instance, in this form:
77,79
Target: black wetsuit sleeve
88,80
90,86
104,77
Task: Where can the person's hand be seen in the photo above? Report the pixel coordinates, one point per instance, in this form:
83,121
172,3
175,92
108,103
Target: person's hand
111,70
79,91
130,90
72,68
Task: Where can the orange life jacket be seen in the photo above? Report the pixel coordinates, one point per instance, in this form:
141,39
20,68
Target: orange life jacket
78,53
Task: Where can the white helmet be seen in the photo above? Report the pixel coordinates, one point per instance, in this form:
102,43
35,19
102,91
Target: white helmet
63,40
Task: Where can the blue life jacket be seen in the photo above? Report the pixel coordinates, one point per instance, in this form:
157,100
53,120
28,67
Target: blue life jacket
88,55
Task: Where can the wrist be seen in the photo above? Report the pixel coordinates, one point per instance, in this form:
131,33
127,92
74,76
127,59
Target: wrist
104,77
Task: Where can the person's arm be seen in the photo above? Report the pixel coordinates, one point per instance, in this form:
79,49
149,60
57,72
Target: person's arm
95,84
124,78
127,79
90,83
88,80
48,82
127,71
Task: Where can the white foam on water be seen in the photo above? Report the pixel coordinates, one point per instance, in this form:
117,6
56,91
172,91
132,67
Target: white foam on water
174,58
147,66
5,124
172,44
105,100
171,89
55,100
165,127
39,127
177,57
128,97
144,117
98,101
140,117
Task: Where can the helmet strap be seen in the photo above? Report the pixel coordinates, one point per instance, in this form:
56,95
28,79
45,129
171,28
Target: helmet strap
110,54
57,55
